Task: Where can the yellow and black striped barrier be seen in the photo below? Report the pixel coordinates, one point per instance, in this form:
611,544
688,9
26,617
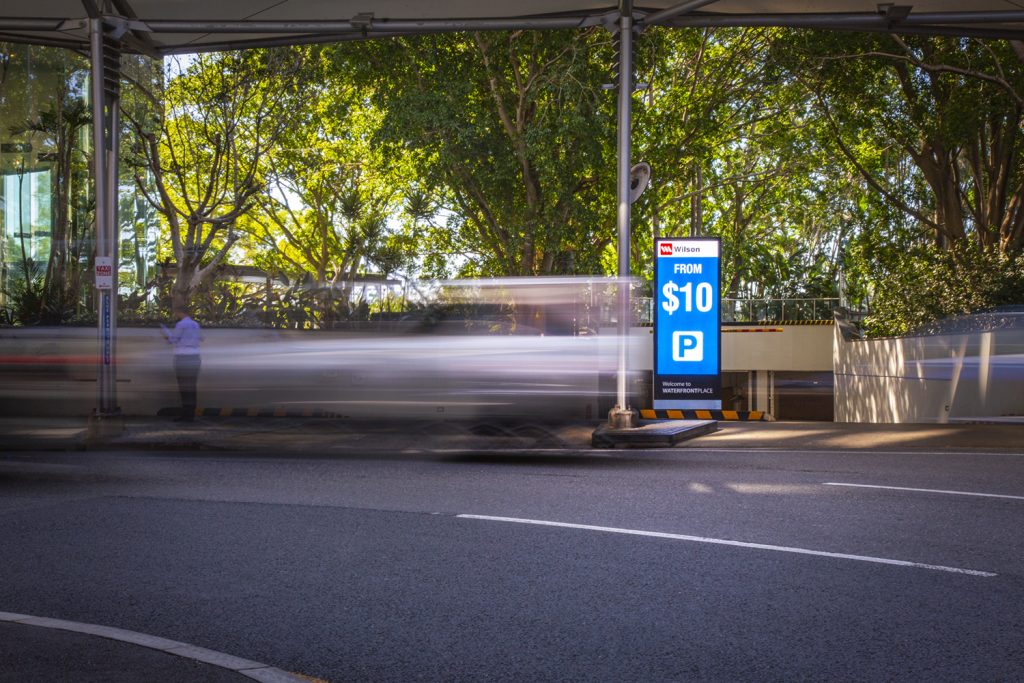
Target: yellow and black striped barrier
733,415
760,328
772,323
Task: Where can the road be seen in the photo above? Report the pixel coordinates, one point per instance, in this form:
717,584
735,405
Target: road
690,564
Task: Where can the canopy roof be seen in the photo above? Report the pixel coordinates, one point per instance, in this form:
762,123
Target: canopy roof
172,26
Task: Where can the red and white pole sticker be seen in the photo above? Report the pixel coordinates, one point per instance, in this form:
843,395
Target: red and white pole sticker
104,272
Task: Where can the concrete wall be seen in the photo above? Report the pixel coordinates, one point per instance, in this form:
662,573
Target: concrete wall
940,378
757,352
785,348
780,348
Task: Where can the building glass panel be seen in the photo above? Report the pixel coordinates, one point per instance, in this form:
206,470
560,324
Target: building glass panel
46,194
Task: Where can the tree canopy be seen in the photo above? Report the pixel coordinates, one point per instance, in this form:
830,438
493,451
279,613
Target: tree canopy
508,141
830,164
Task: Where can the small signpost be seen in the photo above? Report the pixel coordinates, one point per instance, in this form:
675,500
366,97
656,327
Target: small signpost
687,324
104,275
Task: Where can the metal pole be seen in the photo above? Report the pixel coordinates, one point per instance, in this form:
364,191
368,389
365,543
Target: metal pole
113,243
622,416
105,179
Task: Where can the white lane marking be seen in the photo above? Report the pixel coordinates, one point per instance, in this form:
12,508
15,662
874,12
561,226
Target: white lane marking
738,544
905,488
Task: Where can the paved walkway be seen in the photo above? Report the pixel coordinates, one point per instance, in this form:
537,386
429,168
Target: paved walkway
324,436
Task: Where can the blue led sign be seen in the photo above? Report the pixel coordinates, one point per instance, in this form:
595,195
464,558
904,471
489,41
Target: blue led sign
687,324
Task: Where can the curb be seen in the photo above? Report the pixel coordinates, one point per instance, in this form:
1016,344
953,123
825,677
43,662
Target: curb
245,667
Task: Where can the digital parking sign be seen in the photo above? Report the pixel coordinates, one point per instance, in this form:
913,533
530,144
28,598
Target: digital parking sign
687,324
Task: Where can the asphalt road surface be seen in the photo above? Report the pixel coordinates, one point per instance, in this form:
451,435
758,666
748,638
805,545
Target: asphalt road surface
625,566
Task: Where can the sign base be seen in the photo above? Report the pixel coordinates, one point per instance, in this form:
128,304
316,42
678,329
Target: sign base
623,418
660,433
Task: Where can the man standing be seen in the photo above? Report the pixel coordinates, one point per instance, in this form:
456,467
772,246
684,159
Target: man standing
185,338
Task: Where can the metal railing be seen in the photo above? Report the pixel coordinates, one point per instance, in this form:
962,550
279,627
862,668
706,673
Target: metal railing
778,310
757,310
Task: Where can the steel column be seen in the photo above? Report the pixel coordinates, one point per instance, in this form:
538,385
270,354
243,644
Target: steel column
105,147
622,414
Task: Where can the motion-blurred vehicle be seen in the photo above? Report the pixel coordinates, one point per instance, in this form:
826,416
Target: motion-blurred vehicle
513,348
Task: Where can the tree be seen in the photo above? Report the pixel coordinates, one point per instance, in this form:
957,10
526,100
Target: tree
953,106
510,135
59,127
734,156
332,193
931,127
199,161
946,284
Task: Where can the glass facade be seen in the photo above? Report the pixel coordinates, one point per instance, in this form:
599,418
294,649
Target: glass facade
26,214
46,196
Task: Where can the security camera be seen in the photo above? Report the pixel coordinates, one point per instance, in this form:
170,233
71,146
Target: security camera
639,178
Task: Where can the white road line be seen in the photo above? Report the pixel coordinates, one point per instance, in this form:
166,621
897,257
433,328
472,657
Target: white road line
904,488
738,544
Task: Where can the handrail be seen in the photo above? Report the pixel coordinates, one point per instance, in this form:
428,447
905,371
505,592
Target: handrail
751,309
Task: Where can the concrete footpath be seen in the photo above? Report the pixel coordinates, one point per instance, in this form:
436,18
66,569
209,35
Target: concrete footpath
324,436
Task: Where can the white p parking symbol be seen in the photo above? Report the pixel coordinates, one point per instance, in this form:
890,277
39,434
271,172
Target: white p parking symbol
688,346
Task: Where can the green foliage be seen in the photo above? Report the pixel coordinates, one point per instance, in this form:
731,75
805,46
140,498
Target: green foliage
930,285
890,163
932,125
509,135
198,155
735,155
25,292
328,213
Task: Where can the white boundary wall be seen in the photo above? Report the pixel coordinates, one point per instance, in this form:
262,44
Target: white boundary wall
940,378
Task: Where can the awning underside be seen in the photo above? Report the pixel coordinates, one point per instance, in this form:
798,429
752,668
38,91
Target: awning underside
173,26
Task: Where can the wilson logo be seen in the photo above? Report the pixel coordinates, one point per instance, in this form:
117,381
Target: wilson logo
665,249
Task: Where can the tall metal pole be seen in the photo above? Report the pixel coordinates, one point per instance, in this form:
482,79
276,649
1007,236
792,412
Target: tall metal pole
622,416
105,143
112,229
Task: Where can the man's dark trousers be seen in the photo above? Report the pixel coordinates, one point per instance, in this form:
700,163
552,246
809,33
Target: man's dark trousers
186,367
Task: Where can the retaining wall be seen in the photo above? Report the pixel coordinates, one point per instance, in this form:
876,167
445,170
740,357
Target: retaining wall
937,378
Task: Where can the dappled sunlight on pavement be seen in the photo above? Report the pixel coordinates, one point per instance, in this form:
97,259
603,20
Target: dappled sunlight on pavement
762,434
854,436
889,437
